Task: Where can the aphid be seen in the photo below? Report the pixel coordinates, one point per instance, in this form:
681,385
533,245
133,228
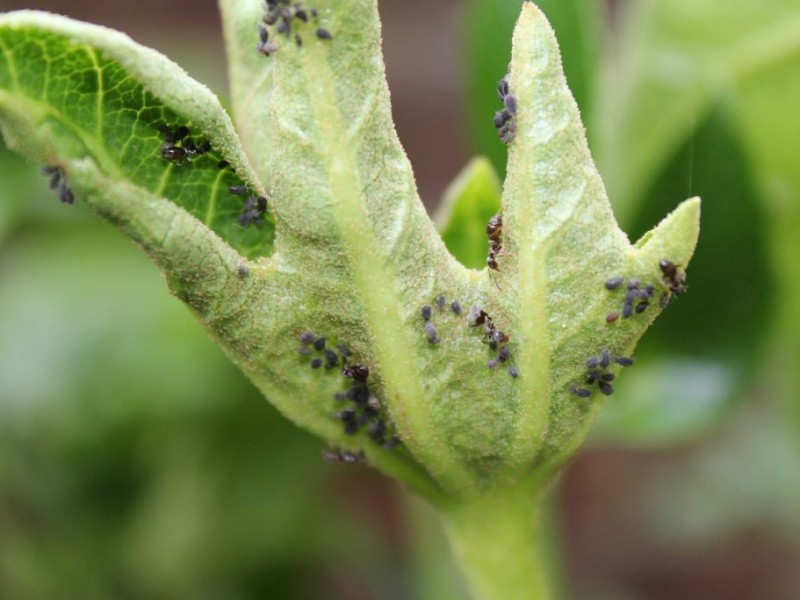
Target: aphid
663,302
426,312
508,132
605,359
307,337
238,190
55,175
347,414
513,372
592,363
607,377
284,27
672,276
441,302
642,306
611,317
301,14
456,307
263,34
631,295
343,350
319,343
243,271
623,361
432,333
593,376
501,117
606,388
633,284
65,195
502,88
266,48
304,350
627,310
324,34
580,392
510,102
614,282
504,354
492,364
497,336
316,363
331,358
356,372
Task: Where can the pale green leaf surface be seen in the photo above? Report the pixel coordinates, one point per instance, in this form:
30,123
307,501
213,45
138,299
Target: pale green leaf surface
468,204
70,90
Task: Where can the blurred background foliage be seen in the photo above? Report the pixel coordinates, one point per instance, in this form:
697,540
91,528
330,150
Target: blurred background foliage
135,462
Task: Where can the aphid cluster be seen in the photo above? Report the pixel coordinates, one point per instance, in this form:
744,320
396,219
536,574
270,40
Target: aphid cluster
255,207
284,17
597,371
505,120
343,457
363,409
427,312
58,180
494,338
178,146
673,277
637,297
494,230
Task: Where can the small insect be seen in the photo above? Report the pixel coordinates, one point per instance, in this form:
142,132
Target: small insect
174,154
513,372
510,103
614,282
624,361
432,333
627,310
455,307
494,230
243,271
607,377
426,312
356,372
316,363
476,316
238,190
307,337
611,317
65,195
605,359
324,34
304,350
580,392
504,354
319,343
673,277
605,388
441,302
592,363
641,307
492,364
501,117
331,359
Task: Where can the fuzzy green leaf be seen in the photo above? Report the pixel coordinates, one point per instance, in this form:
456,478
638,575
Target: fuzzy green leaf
73,91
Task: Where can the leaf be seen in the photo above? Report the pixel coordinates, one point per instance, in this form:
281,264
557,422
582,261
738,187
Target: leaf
561,244
468,203
73,91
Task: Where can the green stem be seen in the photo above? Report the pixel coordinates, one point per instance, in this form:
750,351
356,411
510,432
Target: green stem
495,539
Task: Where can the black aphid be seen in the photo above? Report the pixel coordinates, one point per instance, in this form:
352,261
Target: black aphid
627,310
266,48
504,354
614,282
238,190
607,377
426,312
304,350
605,359
319,343
606,388
432,333
324,34
223,164
633,284
243,271
641,307
307,337
316,363
580,392
513,372
510,102
593,376
65,195
592,363
331,359
441,302
631,295
502,88
492,364
456,308
623,361
501,117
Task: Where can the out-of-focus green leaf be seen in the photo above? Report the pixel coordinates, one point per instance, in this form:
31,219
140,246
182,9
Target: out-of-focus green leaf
16,187
468,204
486,45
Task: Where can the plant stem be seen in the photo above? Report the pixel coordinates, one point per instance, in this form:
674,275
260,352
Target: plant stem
495,539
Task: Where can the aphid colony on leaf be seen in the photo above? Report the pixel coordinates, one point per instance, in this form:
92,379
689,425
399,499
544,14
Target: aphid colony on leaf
255,207
505,120
597,371
362,408
637,297
58,180
179,147
494,230
673,276
493,337
282,16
